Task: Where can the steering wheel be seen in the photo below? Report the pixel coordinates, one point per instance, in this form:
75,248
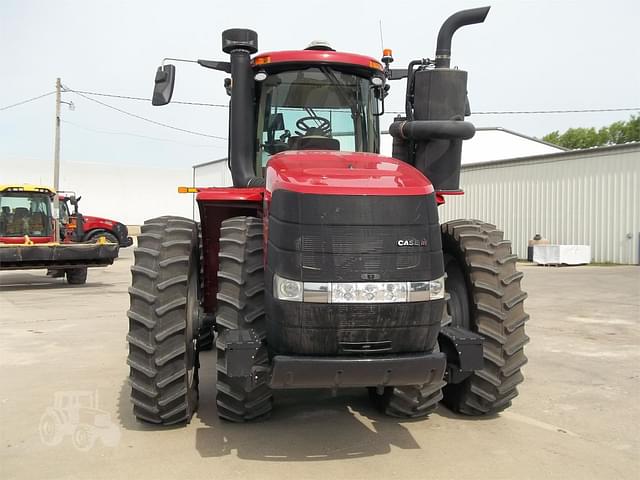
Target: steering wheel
320,126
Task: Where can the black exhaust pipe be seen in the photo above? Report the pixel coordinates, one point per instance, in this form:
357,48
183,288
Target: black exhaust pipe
449,27
422,130
240,44
431,135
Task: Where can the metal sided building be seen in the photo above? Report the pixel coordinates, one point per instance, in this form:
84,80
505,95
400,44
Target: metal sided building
215,173
580,197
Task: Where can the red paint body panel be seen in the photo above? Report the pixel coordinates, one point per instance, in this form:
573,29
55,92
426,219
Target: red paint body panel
343,173
93,223
20,240
230,194
440,194
318,57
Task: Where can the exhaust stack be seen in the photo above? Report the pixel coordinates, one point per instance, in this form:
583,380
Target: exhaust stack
240,44
431,135
449,27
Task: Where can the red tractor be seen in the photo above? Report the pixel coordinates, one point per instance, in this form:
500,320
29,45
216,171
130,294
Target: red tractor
325,265
78,227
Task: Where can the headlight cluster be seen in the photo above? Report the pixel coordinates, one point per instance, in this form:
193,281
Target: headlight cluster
357,292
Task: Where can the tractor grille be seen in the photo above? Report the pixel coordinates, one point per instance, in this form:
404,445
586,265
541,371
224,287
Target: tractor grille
353,238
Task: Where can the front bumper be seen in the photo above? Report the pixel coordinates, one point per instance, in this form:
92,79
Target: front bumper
338,372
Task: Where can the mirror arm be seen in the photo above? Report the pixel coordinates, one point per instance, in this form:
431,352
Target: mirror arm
176,60
215,65
397,73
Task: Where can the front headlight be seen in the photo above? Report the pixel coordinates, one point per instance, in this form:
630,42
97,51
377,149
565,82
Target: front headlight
436,289
285,289
357,292
374,292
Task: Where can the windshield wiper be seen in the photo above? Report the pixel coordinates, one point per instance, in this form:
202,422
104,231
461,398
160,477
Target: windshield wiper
341,89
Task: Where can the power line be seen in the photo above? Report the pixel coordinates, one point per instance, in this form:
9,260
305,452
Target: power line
537,112
143,99
112,132
27,101
496,112
139,117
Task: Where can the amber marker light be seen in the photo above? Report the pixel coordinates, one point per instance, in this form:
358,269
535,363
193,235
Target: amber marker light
262,60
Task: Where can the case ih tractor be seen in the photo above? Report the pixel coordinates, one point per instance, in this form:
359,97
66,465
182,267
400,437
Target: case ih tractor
85,228
28,237
325,266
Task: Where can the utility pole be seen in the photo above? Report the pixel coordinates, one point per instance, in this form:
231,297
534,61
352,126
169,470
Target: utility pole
56,152
56,163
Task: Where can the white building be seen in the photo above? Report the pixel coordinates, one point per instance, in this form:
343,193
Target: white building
128,194
490,144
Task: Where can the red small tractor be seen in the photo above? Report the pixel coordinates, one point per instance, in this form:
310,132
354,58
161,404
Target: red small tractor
86,228
325,265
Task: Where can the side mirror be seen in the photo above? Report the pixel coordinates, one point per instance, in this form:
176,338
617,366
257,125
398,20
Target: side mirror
164,82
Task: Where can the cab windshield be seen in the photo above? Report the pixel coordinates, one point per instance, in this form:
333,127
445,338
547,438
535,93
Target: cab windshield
22,214
316,108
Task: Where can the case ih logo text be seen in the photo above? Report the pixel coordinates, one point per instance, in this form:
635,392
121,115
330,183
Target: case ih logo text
412,243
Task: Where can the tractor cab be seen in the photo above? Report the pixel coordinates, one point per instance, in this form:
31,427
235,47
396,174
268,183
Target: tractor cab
316,100
25,210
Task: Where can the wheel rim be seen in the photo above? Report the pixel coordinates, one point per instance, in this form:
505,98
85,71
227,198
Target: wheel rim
49,430
83,439
191,334
458,302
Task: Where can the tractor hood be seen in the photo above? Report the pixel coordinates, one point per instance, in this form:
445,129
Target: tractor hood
343,173
99,221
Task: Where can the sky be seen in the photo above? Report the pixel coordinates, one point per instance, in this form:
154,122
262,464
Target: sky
528,55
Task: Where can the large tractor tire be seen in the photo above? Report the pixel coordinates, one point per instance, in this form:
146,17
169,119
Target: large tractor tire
163,322
410,401
485,297
76,276
241,306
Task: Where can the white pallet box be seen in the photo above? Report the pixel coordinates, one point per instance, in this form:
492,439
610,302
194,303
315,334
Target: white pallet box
562,254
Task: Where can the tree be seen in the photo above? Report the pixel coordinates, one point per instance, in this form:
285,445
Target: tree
614,134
